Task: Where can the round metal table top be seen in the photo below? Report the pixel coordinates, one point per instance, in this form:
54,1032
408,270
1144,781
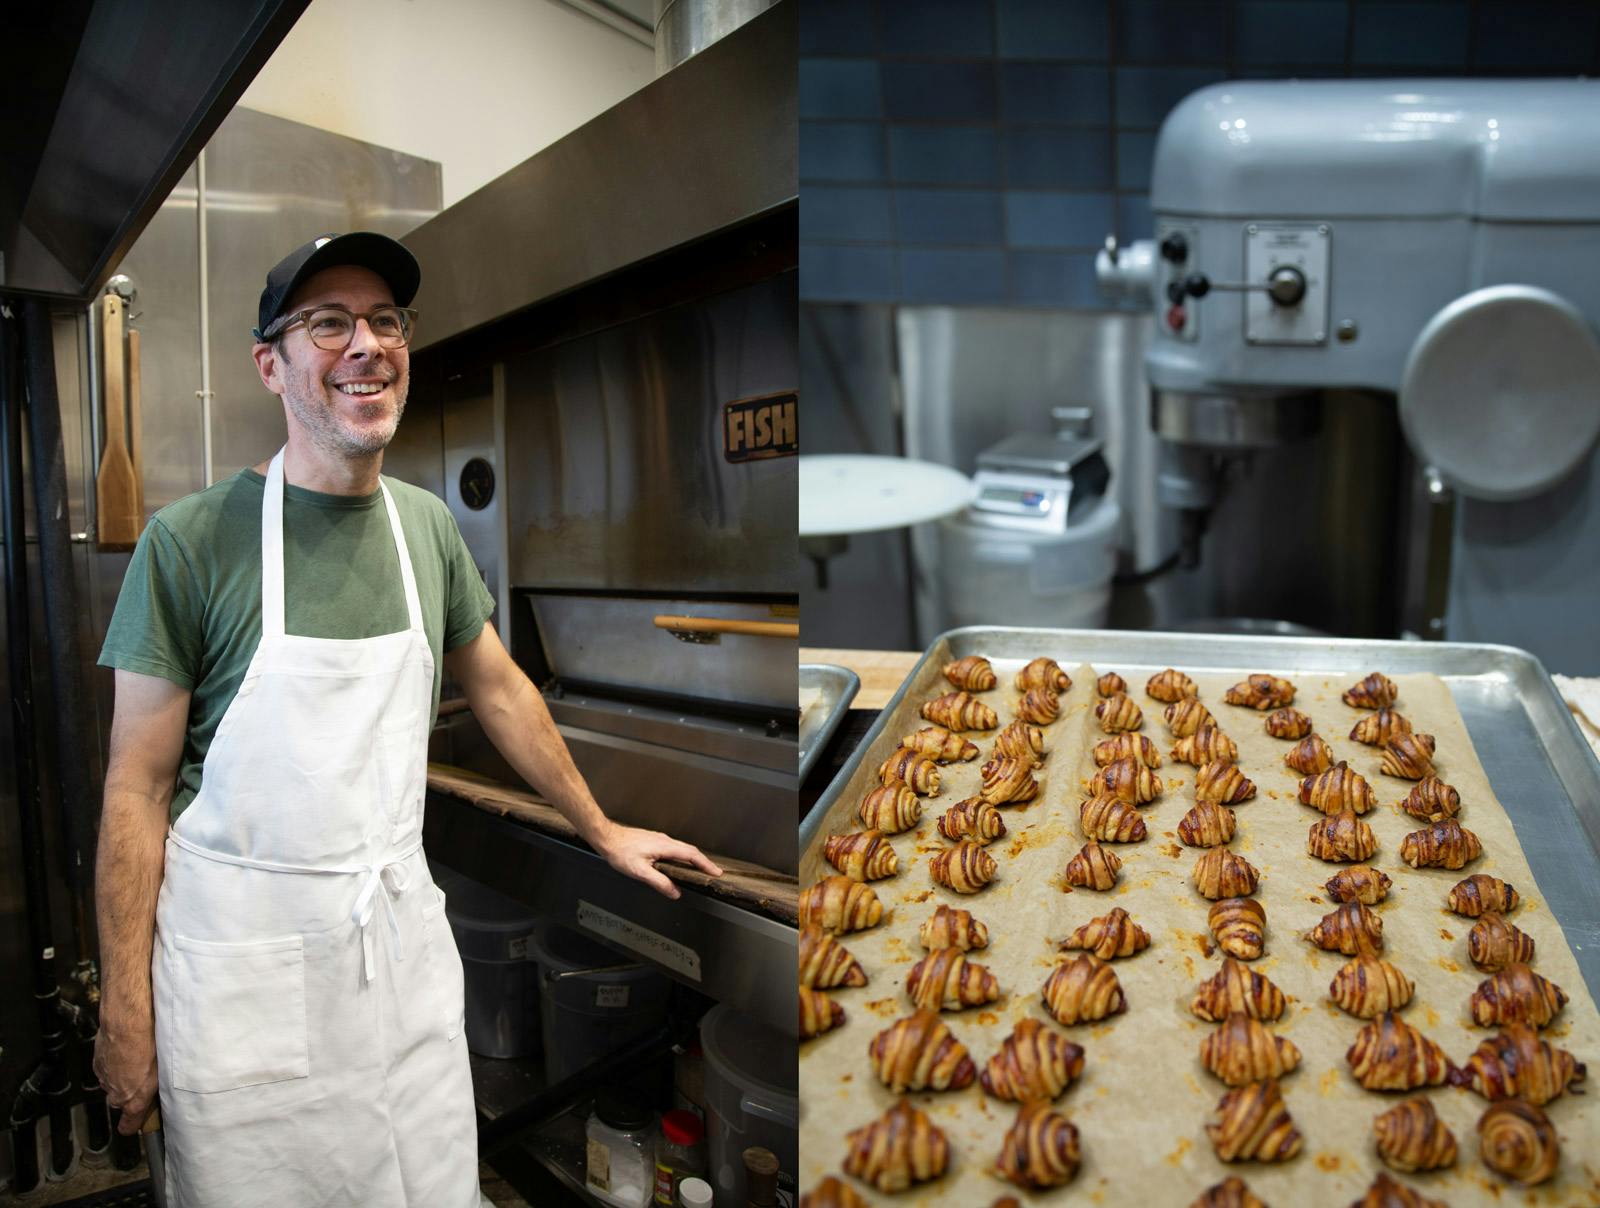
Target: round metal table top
1501,392
849,493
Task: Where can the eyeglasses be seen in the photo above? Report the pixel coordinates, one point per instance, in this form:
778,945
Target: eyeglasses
331,328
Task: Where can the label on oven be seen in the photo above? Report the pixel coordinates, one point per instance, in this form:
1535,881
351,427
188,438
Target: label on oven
630,935
757,428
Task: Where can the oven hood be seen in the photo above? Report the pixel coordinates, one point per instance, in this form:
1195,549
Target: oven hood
108,105
708,146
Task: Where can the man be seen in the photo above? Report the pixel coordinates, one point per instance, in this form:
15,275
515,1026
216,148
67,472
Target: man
278,960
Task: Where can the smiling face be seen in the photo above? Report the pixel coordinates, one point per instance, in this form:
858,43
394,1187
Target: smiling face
347,403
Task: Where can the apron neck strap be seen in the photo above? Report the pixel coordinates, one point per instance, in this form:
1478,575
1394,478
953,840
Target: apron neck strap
272,608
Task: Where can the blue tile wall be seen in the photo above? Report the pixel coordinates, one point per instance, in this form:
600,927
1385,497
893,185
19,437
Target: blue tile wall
978,152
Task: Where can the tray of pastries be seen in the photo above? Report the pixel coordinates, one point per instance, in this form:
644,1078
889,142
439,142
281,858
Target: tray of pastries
1177,919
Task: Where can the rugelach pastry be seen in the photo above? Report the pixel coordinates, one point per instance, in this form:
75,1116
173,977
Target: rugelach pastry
1082,990
949,927
1185,717
1242,1051
1093,867
1337,789
1118,713
1220,873
1110,820
1170,685
1493,943
1377,691
1261,692
1368,986
1352,929
1252,1123
1443,844
1127,779
1043,673
1409,756
1516,994
1034,1062
1110,684
1516,1139
1376,729
861,855
946,980
825,962
1223,783
1432,799
1040,1150
1516,1064
818,1013
920,1053
1208,744
1411,1137
919,773
1391,1055
1342,837
1239,925
1008,781
1309,756
1207,824
832,1193
899,1148
1230,1193
1111,935
891,808
1019,740
940,745
1236,987
1385,1192
839,905
1039,706
1123,746
965,868
1481,893
973,819
959,711
1288,723
972,673
1358,884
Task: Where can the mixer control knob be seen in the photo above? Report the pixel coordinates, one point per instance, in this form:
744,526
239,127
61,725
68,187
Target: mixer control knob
1175,248
1175,291
1197,285
1286,286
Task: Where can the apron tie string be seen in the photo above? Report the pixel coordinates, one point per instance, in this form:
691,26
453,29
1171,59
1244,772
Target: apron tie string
391,877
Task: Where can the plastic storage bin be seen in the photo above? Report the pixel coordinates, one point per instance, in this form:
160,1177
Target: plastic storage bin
493,932
752,1098
592,999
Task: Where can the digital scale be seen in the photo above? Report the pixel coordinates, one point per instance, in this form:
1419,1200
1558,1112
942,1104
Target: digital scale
1041,484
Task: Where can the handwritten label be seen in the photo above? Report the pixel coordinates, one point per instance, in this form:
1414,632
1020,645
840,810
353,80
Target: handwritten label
630,935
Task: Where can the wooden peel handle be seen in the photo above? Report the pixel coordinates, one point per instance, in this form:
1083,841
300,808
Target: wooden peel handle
755,629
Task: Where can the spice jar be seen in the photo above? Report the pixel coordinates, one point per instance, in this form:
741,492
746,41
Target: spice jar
620,1152
680,1152
694,1193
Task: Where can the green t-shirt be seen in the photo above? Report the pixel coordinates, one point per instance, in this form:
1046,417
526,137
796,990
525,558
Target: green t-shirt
190,606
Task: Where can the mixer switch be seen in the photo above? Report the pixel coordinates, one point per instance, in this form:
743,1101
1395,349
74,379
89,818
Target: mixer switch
1177,317
1175,248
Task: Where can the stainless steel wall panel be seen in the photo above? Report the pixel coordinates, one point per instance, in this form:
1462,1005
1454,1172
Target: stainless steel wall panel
470,431
705,147
271,185
614,441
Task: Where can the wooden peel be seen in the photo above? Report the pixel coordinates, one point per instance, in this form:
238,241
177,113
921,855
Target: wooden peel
136,423
759,629
116,488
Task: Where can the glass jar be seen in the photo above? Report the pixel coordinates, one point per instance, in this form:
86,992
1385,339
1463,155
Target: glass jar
680,1152
621,1150
694,1193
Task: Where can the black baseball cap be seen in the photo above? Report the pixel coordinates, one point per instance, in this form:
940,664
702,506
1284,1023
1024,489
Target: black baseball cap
366,249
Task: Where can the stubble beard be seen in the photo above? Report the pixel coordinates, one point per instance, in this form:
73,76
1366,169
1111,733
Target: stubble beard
320,420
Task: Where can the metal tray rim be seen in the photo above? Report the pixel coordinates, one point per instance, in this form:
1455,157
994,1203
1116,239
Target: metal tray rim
847,683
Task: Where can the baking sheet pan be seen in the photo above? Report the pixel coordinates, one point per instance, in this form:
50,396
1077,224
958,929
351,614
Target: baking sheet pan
1155,1150
825,695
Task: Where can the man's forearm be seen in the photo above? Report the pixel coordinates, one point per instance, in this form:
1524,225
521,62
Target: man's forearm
128,870
522,730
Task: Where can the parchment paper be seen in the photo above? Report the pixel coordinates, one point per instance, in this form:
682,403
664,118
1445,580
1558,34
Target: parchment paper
1144,1098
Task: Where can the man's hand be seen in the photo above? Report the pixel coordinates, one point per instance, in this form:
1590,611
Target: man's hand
633,851
125,1063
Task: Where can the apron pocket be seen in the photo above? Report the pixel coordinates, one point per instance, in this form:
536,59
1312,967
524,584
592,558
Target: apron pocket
444,965
238,1014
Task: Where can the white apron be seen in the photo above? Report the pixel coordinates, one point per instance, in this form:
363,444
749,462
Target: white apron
308,992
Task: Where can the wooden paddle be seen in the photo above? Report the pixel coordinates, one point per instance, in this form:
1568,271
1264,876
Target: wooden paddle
116,488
